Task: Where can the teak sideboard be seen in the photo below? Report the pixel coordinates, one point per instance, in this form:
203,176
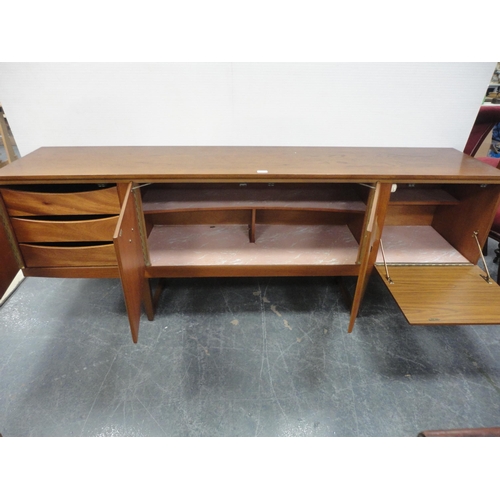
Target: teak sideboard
416,216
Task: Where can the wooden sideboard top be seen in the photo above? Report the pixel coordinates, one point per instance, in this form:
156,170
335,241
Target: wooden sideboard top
246,163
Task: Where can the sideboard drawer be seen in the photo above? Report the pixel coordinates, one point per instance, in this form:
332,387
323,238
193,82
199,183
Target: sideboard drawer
31,231
62,256
26,203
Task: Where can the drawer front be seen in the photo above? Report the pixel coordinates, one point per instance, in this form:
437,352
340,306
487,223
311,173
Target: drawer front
30,231
61,256
25,203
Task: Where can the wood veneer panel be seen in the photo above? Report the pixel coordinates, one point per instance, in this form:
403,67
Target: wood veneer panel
422,196
26,203
237,163
28,230
405,215
9,266
449,295
268,216
304,197
242,271
61,256
475,212
305,217
128,245
372,230
207,217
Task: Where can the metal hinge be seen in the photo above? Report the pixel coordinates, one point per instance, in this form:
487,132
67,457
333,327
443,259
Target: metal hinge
486,278
388,278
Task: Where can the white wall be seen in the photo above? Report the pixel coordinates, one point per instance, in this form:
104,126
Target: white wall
300,104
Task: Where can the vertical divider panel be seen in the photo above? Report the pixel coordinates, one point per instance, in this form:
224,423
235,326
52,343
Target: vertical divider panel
252,225
147,296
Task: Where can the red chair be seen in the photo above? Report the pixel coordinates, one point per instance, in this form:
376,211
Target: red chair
485,121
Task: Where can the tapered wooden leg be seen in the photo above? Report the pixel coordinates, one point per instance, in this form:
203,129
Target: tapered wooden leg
159,289
356,301
147,300
345,292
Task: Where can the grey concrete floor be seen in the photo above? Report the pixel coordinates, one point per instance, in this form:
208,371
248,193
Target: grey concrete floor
237,357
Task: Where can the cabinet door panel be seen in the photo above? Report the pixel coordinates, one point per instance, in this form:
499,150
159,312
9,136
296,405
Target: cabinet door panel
374,223
128,246
9,265
448,295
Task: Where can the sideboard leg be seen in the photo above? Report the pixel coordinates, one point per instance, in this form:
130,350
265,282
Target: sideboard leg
162,282
147,300
345,292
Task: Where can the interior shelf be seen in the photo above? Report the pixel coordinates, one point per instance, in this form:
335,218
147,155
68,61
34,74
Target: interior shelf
275,245
422,196
417,245
341,197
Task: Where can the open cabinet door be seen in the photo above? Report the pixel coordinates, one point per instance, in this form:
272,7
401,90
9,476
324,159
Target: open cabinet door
9,265
447,295
128,247
374,222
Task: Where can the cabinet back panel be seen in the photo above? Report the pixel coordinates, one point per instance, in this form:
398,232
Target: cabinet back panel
200,217
475,212
409,215
301,217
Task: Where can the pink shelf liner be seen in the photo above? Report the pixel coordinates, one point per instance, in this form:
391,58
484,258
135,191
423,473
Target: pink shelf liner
223,245
417,245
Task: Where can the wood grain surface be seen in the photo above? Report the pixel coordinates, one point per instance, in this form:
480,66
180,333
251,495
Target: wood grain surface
23,203
235,163
450,295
